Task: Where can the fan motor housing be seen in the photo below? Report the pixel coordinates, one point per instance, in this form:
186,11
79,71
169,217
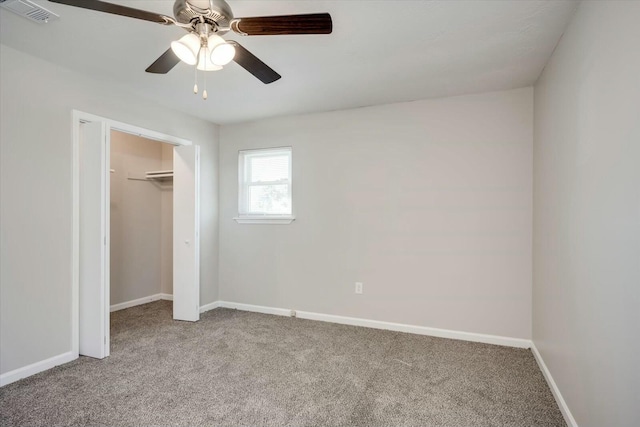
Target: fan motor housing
217,12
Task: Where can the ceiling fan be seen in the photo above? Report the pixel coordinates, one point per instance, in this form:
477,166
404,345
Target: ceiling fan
205,21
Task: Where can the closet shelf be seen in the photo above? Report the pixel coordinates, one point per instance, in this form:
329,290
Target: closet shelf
159,175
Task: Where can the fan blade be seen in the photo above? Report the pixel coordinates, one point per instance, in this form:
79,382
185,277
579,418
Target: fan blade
315,23
252,64
102,6
164,64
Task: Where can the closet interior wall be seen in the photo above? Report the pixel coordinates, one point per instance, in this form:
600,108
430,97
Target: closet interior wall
141,219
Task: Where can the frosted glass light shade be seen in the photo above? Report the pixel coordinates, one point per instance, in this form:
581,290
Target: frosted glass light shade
223,54
187,48
220,51
205,63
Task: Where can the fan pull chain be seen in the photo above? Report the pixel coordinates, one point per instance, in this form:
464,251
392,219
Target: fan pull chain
195,85
204,93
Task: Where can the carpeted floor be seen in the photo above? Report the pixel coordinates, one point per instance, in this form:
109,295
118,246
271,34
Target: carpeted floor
239,368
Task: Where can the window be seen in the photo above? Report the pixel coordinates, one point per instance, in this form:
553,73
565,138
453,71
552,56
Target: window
265,186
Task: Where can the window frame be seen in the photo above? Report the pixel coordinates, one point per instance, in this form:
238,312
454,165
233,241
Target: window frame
246,217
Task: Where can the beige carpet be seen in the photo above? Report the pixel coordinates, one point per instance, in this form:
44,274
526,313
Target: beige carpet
239,368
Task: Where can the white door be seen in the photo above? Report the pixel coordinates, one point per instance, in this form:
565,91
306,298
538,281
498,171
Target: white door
186,239
94,262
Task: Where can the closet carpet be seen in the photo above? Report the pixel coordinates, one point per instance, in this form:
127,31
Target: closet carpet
239,368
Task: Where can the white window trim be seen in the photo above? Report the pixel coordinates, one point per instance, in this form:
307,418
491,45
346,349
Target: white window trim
282,220
263,218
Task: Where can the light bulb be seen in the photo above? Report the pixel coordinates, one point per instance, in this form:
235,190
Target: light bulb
187,48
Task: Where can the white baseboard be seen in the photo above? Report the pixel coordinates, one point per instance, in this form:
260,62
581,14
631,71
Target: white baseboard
157,297
140,301
419,330
255,308
377,324
166,297
209,306
566,413
34,368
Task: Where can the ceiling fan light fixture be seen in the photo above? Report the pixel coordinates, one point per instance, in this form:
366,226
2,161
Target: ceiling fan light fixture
187,48
223,54
204,18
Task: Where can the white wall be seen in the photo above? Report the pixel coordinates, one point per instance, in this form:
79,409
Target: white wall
141,253
428,203
36,200
586,252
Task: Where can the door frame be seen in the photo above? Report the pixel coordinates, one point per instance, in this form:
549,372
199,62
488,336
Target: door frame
79,117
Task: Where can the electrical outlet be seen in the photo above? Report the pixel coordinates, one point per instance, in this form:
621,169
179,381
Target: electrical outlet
358,287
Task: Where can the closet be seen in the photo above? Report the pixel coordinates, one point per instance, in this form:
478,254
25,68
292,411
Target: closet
141,235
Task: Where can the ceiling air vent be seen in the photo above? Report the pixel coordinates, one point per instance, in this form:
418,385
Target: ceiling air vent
29,10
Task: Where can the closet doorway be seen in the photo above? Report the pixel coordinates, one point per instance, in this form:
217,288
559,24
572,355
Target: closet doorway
92,177
141,221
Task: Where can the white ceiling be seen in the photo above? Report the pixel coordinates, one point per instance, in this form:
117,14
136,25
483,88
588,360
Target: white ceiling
380,52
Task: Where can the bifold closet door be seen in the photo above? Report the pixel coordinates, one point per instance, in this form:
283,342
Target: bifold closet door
186,233
93,186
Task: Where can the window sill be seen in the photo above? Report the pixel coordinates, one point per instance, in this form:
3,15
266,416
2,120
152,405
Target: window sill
282,220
